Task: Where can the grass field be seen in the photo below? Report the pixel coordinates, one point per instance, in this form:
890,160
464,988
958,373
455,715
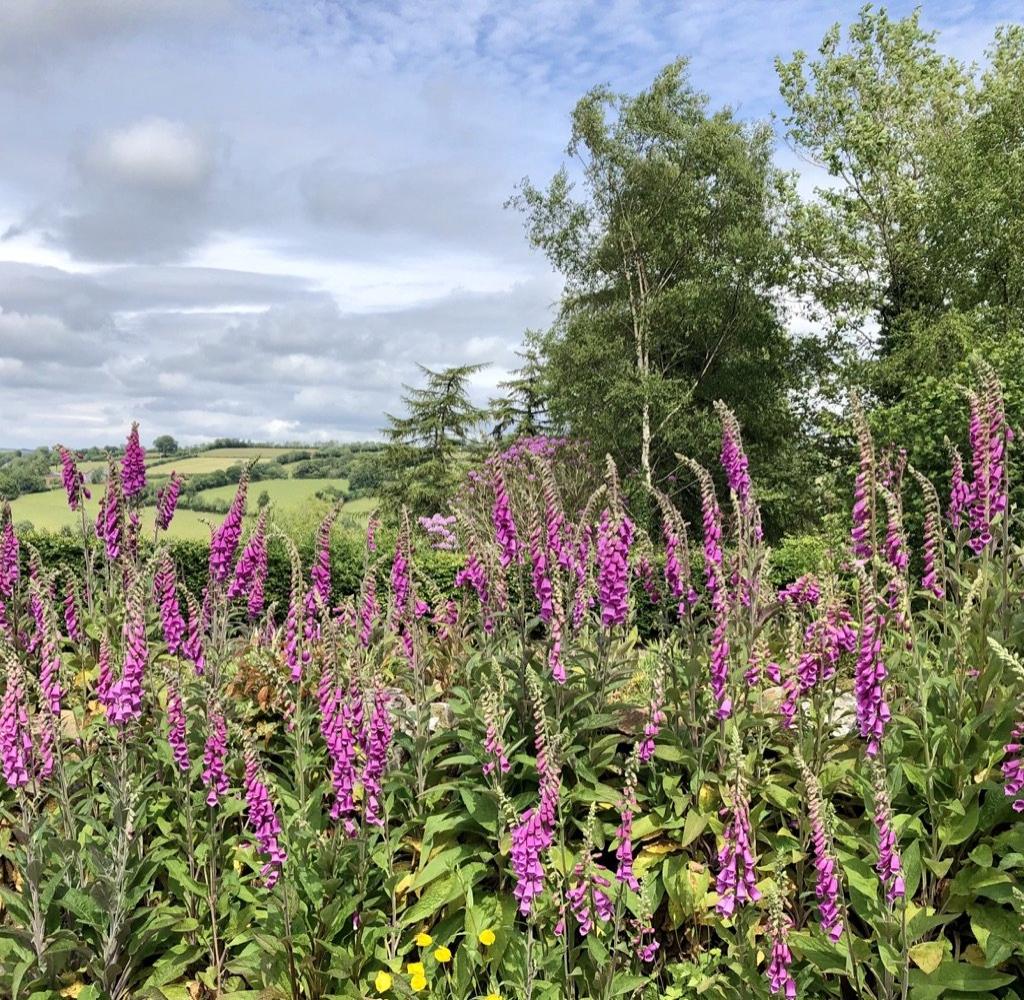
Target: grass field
282,492
49,511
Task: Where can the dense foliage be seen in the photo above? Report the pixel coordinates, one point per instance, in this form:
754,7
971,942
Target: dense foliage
809,790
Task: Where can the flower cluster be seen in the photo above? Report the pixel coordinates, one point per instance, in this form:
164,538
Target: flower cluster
133,464
262,818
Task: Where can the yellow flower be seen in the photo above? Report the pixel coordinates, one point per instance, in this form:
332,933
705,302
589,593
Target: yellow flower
424,940
487,938
382,983
415,968
443,955
492,996
418,983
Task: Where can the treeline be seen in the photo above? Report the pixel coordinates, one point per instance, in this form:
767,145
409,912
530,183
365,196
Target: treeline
695,270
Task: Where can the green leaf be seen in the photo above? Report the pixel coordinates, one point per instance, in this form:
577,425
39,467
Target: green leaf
928,955
961,976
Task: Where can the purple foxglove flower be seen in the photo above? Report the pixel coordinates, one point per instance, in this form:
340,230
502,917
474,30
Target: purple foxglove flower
165,593
167,501
125,693
542,586
827,887
370,610
262,819
133,465
734,462
656,718
863,532
73,480
960,494
177,735
587,896
109,518
225,539
377,754
10,560
215,778
192,648
251,569
1013,768
105,678
803,592
555,653
889,866
494,746
72,619
780,979
872,709
614,537
624,853
504,523
736,884
16,754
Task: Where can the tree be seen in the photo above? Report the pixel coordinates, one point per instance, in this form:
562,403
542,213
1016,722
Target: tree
672,255
522,410
915,252
165,444
422,458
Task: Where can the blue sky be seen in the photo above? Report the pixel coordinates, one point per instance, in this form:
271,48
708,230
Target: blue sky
242,217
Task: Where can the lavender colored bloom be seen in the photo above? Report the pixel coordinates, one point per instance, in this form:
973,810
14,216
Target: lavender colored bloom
959,492
1013,768
555,653
889,866
624,853
827,885
10,561
439,528
167,501
192,647
262,818
177,733
165,593
370,609
225,539
377,753
401,582
133,465
494,747
614,537
73,480
872,708
587,896
15,731
803,592
109,518
656,718
862,534
293,653
215,777
736,883
124,697
734,462
251,569
72,620
542,585
780,979
504,523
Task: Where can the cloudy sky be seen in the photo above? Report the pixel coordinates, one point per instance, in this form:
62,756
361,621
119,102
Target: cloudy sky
252,217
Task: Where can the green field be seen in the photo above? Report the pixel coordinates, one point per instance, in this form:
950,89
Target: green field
49,512
282,492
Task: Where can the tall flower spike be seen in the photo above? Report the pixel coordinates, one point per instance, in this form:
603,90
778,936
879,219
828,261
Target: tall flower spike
73,480
110,517
959,490
872,709
494,747
780,978
827,885
193,647
504,523
165,593
133,465
262,818
72,615
125,695
735,463
377,755
624,854
889,866
250,574
677,555
177,735
167,501
225,539
736,884
863,532
934,569
656,717
215,778
10,555
15,730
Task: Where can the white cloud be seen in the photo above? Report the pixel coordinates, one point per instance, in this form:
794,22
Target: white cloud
152,153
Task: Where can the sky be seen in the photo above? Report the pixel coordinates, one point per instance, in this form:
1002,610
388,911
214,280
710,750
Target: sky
253,218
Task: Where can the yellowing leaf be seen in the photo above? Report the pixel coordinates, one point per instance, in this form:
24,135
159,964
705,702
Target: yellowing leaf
927,955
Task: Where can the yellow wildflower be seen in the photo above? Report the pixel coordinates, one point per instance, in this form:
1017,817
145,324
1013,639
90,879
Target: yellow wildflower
424,940
383,981
418,983
487,938
415,968
492,996
443,955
